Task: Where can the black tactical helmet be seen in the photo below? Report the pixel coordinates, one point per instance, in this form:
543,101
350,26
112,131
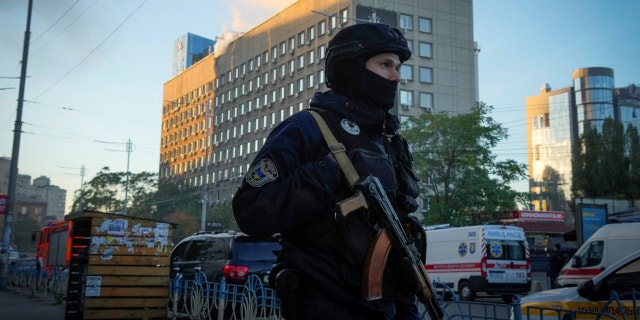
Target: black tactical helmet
363,40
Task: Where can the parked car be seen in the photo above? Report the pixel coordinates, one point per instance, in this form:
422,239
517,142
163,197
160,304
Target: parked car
590,296
231,255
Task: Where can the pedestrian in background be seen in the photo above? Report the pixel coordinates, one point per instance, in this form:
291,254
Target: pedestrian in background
556,262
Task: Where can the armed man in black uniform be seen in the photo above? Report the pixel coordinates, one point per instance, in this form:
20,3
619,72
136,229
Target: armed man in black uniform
294,183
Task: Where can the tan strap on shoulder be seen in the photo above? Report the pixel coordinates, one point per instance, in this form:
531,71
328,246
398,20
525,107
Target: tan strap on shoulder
337,149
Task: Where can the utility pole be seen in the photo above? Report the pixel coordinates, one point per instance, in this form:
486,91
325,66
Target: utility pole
129,149
13,171
126,188
82,171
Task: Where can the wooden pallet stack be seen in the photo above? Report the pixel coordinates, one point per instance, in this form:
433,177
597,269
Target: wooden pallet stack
119,267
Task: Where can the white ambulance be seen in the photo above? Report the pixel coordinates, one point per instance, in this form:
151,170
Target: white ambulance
492,259
605,247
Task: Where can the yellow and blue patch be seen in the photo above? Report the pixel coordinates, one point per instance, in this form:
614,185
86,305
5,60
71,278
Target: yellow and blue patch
262,173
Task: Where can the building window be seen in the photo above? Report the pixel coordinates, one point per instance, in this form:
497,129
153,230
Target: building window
283,70
424,25
333,22
290,89
310,81
321,52
283,48
310,55
292,66
344,15
311,32
321,76
301,61
274,52
426,50
406,98
426,75
301,39
300,85
406,72
406,22
292,44
322,27
426,100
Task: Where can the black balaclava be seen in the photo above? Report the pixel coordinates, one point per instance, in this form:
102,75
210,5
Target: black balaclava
363,86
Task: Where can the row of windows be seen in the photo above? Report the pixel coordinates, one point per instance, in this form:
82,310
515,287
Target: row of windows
425,99
267,121
425,74
406,23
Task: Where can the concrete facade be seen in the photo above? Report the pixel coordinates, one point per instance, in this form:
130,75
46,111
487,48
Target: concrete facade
254,82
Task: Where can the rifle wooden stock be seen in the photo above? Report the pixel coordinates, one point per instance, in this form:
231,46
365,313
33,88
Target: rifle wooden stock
374,265
351,204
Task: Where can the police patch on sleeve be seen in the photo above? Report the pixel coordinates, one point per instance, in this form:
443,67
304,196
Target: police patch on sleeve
262,173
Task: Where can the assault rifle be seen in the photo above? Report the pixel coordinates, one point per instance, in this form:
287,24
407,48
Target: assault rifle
369,192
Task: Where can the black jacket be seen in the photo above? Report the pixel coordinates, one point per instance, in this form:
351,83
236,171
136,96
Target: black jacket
293,185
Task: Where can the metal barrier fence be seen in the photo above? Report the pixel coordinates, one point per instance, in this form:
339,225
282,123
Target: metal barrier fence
201,299
48,286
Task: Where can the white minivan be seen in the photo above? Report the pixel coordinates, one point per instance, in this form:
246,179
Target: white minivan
605,247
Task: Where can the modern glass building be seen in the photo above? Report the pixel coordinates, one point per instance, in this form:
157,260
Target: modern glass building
557,118
189,49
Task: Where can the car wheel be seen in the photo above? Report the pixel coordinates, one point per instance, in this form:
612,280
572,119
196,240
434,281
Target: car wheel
465,291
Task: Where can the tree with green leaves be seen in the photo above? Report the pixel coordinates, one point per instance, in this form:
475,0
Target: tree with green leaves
106,193
606,162
464,182
168,202
633,146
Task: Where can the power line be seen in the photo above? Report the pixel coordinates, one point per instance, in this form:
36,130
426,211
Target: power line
63,30
91,52
92,113
56,22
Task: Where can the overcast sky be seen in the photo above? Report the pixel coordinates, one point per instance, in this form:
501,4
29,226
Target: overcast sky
97,67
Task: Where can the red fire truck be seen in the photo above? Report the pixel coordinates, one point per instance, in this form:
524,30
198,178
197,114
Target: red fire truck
54,245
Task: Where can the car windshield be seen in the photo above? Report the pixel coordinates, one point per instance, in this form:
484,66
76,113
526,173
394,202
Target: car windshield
257,251
591,255
506,250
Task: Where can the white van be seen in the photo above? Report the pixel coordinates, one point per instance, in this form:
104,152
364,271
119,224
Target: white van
606,246
590,297
493,259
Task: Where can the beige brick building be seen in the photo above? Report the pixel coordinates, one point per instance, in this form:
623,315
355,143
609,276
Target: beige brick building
240,92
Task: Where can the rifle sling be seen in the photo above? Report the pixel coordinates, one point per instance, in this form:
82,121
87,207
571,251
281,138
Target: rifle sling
337,149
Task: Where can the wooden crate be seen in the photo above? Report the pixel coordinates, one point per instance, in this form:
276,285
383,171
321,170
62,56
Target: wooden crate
119,267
